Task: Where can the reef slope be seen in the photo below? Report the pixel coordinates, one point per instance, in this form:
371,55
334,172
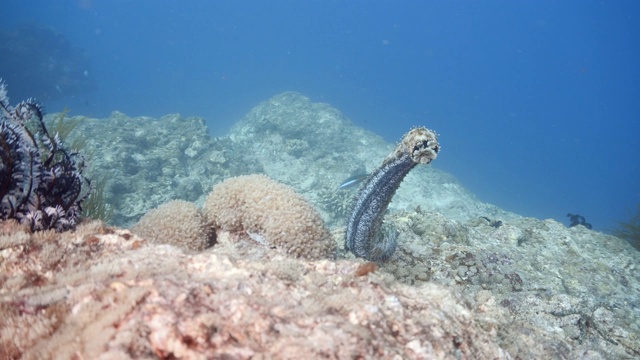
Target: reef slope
310,146
467,280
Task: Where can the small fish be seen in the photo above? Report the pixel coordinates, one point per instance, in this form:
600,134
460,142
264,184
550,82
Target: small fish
352,181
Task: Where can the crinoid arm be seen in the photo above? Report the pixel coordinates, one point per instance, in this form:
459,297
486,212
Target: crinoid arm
41,183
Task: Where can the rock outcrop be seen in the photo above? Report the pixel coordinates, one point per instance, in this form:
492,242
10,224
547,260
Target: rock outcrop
467,280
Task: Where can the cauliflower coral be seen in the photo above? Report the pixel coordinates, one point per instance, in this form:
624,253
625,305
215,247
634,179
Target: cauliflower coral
271,213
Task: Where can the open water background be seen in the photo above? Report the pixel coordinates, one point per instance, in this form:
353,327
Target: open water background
537,102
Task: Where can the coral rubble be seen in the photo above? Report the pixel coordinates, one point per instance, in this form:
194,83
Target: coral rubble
108,294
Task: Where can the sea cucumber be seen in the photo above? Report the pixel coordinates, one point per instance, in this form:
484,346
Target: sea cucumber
366,237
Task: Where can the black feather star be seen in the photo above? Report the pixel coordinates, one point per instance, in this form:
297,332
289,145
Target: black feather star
41,183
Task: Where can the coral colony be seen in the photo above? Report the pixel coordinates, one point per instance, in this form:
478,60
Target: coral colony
41,183
366,237
298,230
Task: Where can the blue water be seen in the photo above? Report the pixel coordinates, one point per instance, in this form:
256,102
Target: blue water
537,102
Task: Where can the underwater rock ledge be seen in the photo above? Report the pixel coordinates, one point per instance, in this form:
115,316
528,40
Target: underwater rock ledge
105,294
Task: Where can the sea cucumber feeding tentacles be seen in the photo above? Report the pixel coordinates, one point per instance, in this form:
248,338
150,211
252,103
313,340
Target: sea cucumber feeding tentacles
364,236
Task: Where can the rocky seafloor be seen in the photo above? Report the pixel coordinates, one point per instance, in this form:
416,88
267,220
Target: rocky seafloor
468,279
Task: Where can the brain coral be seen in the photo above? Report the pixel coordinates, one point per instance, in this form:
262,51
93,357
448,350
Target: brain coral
176,222
271,213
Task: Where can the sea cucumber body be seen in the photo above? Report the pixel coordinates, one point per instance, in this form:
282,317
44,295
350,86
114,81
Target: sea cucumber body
364,236
372,203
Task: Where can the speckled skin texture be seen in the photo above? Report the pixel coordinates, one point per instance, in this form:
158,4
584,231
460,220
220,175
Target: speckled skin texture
364,236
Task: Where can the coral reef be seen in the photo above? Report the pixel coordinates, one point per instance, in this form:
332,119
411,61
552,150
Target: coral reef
272,214
467,280
338,149
364,236
41,182
336,204
177,222
149,161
